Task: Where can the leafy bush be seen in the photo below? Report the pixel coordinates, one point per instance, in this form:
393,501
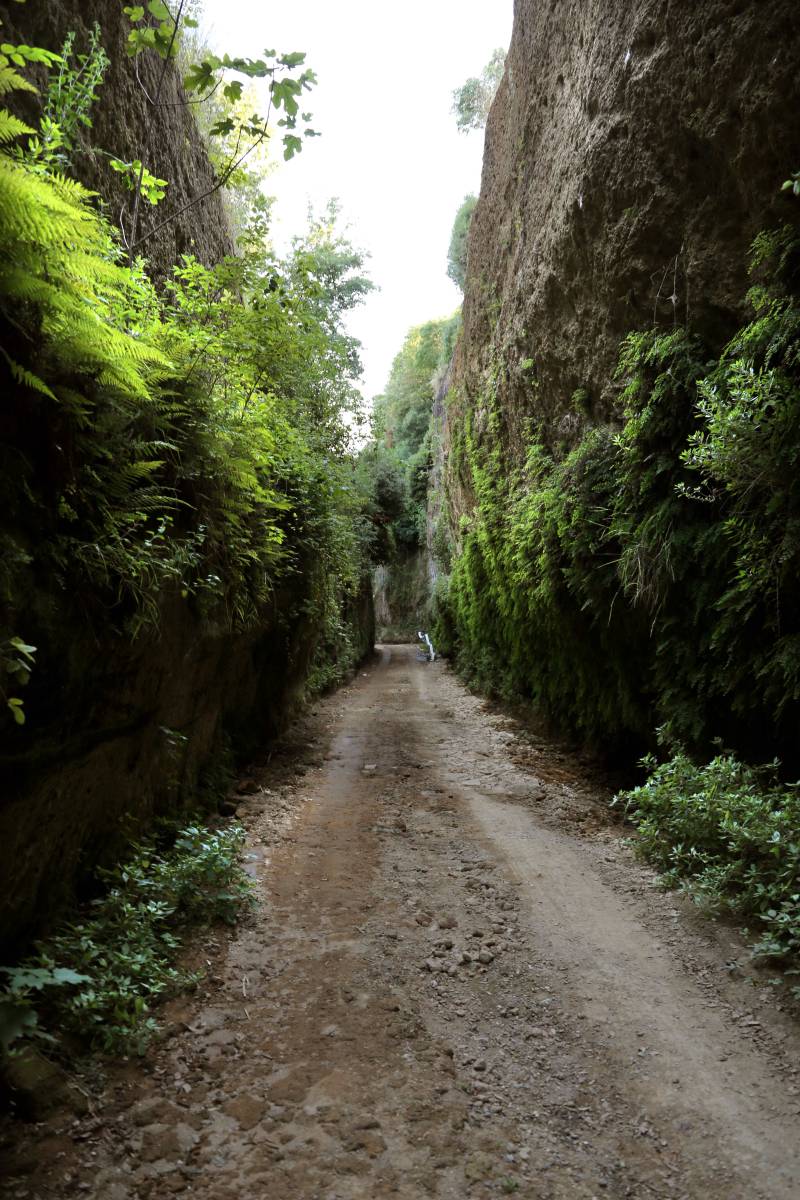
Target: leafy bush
401,423
729,834
98,976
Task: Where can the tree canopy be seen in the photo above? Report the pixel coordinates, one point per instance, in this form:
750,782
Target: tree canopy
457,251
472,101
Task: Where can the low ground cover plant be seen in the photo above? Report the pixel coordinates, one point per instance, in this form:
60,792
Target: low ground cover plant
729,835
98,976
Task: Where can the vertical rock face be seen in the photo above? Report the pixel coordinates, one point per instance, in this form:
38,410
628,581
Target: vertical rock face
125,124
120,729
401,594
632,153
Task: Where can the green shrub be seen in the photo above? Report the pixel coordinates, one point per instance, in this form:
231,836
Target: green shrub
729,834
98,976
193,443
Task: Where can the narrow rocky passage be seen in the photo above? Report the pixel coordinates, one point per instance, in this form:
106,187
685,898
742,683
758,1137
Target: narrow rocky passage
457,983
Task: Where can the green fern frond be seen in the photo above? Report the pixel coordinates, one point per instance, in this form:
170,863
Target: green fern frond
33,212
70,190
26,377
23,286
11,127
135,472
73,402
12,81
125,380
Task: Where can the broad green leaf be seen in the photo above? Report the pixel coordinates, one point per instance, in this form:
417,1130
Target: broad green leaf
23,648
291,146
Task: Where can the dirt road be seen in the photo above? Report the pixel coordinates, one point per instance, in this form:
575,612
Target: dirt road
458,983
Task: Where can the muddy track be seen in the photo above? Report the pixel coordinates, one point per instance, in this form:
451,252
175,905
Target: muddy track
457,983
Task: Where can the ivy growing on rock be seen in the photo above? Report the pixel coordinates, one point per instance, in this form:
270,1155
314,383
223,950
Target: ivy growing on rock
649,575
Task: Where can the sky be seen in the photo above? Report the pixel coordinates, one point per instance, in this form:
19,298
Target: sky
389,151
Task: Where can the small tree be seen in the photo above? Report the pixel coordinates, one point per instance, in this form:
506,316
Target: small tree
155,27
457,253
472,101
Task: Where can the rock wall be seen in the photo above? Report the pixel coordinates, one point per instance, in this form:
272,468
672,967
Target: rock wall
632,153
401,594
122,729
125,124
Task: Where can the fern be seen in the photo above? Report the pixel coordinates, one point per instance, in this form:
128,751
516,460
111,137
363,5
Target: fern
197,436
11,127
11,80
26,377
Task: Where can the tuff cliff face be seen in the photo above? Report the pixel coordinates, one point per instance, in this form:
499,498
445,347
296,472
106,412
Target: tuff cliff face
632,153
124,731
125,124
127,731
618,559
122,728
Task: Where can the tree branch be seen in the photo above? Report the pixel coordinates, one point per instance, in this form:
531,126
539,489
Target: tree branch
132,242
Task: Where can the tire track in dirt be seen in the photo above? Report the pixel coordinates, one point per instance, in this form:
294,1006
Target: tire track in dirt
445,991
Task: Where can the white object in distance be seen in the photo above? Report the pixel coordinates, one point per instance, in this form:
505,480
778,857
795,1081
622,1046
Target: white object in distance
431,652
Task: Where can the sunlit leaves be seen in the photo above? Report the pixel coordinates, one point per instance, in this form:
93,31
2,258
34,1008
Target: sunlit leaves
291,146
154,28
137,177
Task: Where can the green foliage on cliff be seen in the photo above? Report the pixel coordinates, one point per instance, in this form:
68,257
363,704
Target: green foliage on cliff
401,422
472,101
190,444
651,575
457,251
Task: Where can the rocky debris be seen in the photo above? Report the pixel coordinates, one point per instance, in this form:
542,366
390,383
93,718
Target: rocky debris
246,1109
391,1021
247,787
160,1142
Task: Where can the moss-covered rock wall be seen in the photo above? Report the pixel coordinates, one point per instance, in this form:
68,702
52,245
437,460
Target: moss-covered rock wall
618,559
632,154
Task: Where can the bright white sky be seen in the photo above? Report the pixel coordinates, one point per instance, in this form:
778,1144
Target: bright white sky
390,150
